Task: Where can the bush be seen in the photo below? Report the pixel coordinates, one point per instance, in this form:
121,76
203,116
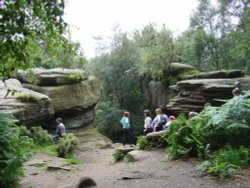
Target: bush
38,134
11,154
226,162
142,142
66,145
118,156
212,129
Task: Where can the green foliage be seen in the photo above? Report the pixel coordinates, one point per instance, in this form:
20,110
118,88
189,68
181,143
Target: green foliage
212,129
38,134
226,162
107,121
118,156
52,53
155,50
72,160
46,149
218,36
11,153
21,20
75,78
121,87
142,142
66,145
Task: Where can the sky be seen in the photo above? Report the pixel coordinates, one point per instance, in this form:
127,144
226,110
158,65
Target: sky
93,18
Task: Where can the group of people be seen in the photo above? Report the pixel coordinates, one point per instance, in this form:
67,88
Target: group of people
160,122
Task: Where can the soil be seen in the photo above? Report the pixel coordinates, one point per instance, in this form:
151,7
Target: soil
154,170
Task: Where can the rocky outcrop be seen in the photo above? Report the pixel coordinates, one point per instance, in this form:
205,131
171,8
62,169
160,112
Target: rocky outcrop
70,94
25,105
157,92
194,93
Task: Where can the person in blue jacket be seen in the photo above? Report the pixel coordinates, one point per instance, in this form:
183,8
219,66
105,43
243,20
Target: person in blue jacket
126,127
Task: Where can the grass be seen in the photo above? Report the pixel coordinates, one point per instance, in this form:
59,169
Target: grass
49,150
72,160
98,145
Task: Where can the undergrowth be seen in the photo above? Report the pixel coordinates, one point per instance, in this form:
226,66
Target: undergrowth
220,135
18,144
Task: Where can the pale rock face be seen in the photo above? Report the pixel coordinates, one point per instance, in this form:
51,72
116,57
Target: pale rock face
51,77
191,94
73,93
35,108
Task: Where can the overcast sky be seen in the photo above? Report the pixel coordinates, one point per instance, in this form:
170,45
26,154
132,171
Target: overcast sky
89,18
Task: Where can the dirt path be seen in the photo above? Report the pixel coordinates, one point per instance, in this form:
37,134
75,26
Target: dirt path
154,170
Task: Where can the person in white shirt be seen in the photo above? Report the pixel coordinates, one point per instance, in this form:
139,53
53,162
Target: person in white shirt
147,122
160,120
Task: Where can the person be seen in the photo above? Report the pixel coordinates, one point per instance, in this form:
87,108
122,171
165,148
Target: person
60,130
192,114
170,120
160,120
237,93
147,122
126,127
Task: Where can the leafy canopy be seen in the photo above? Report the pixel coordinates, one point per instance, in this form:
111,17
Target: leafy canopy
22,19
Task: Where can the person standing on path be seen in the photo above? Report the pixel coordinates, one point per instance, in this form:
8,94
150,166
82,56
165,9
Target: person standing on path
126,127
147,122
60,130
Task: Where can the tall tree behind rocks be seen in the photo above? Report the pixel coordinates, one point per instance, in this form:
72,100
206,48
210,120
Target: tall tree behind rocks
225,39
115,67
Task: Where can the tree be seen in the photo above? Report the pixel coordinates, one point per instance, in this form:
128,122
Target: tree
225,25
22,19
155,48
49,53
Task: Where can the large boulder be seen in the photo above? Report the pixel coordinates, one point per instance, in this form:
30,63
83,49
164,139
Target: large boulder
219,74
193,94
51,77
25,105
73,93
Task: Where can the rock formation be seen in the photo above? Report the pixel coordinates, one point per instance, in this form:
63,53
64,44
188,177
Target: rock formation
157,92
71,94
215,89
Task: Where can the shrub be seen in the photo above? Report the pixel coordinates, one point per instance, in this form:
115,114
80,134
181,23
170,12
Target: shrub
66,145
40,136
226,161
11,154
142,142
118,156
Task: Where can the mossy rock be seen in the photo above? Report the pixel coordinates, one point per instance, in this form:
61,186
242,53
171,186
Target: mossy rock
180,68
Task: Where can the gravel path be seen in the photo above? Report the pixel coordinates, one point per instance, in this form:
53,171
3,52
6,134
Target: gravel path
153,171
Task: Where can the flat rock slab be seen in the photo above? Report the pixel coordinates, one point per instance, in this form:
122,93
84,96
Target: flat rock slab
125,150
155,134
